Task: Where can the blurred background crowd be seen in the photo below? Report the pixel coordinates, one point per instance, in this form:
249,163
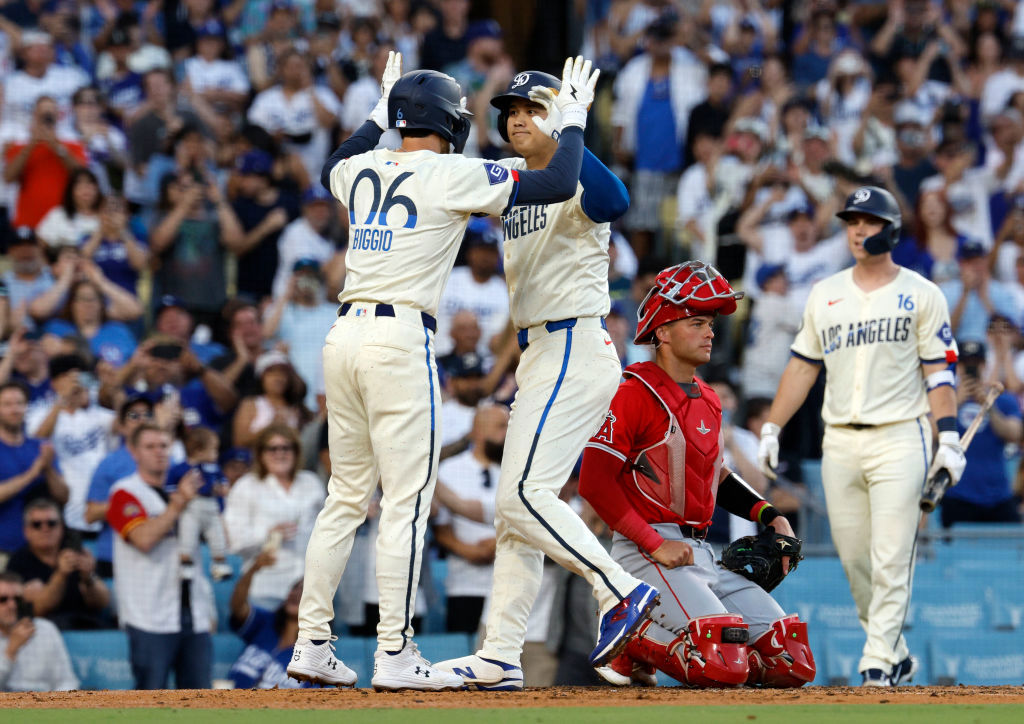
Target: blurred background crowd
171,266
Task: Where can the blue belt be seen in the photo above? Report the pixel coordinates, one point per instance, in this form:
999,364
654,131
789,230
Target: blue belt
388,310
522,336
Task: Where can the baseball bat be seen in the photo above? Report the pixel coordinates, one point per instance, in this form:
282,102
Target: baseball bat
936,486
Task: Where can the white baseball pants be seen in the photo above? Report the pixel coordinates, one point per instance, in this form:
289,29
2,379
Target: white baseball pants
566,380
382,416
873,480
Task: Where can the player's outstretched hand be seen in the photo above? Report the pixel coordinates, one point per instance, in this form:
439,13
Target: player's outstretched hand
768,449
673,554
392,72
552,124
577,91
949,456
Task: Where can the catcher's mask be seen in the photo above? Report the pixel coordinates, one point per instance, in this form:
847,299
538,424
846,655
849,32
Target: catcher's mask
683,290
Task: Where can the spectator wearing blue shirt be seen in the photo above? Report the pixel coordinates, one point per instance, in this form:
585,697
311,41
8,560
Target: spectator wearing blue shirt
984,493
27,467
114,246
173,319
28,275
269,635
136,409
26,362
84,314
975,296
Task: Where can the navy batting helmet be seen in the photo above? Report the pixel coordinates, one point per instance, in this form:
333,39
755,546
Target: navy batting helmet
429,100
876,201
520,88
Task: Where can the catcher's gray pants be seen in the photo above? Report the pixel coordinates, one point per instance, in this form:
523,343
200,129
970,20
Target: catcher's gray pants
703,589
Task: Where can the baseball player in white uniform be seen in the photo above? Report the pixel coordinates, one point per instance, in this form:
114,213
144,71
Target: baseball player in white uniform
556,266
408,210
882,333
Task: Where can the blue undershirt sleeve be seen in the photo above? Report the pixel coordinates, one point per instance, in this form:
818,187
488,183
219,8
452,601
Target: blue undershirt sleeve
364,139
605,197
557,182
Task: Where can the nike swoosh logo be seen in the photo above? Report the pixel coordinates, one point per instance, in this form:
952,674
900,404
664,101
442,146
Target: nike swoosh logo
835,301
607,342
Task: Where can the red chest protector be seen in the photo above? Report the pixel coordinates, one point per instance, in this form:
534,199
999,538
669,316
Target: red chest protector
680,472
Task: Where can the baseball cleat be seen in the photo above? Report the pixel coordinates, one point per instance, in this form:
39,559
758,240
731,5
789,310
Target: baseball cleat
618,671
409,670
621,621
875,677
485,674
317,664
903,671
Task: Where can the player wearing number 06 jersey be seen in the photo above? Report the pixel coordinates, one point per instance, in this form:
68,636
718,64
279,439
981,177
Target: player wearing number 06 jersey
556,265
882,333
408,210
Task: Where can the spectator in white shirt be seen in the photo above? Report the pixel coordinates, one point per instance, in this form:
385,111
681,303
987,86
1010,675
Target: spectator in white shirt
298,113
164,605
472,476
967,187
273,508
219,81
478,287
32,653
310,237
40,76
773,325
80,431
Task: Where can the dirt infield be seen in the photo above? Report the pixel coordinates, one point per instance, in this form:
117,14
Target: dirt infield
557,696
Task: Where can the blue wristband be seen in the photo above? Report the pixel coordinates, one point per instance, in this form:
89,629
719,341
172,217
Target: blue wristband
946,424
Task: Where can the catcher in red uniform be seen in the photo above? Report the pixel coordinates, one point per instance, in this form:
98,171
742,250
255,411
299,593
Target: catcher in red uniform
653,473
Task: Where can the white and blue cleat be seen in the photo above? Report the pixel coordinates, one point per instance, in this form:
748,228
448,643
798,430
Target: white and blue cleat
619,624
483,674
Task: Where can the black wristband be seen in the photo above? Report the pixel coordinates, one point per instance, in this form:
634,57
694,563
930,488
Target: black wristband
769,514
946,424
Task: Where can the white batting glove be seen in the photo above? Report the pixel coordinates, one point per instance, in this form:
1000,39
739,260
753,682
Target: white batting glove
949,456
392,72
547,97
577,92
768,449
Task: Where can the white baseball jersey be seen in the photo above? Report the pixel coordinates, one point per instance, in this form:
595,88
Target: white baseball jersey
407,214
556,261
872,345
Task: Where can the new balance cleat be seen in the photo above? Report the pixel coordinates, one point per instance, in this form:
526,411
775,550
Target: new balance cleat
485,674
409,670
317,664
618,624
904,671
875,677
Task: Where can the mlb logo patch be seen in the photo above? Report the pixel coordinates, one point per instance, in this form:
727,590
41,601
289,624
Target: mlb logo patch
360,311
495,174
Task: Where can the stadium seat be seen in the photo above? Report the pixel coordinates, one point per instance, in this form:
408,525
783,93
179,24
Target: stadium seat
989,659
100,659
226,649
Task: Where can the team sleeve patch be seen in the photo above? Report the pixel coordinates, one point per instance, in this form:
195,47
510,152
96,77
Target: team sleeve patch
125,512
607,432
945,334
497,174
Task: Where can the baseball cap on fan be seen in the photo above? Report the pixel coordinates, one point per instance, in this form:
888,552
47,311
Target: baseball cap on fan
971,350
466,365
971,249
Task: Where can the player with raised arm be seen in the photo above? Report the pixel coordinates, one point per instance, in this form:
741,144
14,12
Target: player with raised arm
882,333
556,265
654,473
408,210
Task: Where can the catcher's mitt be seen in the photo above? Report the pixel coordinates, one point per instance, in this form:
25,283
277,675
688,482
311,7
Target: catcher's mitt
759,557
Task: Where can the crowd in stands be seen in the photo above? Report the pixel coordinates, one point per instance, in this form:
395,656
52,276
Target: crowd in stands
171,266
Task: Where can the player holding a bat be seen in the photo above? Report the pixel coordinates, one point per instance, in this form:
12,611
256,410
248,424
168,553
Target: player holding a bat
882,334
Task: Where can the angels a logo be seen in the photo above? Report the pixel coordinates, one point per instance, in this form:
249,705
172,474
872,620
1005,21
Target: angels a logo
861,195
606,432
521,79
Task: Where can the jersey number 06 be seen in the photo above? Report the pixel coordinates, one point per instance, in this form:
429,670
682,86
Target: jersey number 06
378,210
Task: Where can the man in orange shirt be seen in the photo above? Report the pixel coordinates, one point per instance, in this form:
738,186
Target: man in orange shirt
41,166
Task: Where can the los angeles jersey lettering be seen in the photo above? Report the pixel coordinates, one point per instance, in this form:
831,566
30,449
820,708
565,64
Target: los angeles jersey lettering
407,215
874,342
556,261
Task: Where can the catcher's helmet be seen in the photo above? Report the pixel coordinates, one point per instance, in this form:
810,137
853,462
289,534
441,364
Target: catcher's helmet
877,202
683,290
520,88
432,101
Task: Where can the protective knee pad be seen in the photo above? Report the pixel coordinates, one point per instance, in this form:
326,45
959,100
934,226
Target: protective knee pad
781,657
710,653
